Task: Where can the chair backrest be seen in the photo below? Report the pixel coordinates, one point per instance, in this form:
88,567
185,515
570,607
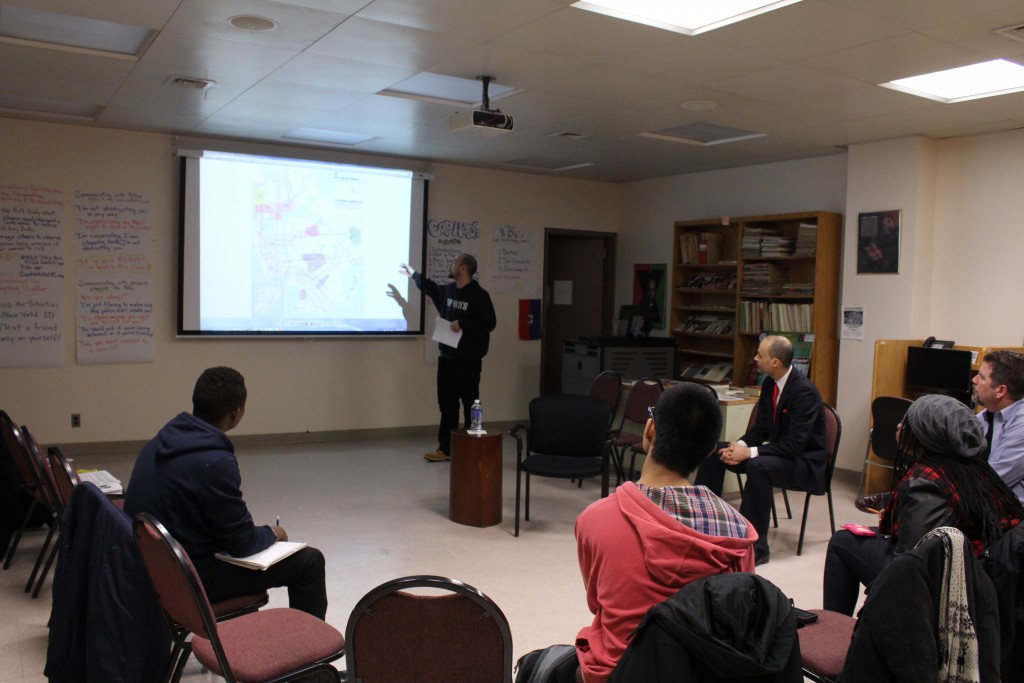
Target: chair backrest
752,420
16,448
833,432
177,586
34,480
64,476
608,387
886,413
44,475
569,425
643,394
395,636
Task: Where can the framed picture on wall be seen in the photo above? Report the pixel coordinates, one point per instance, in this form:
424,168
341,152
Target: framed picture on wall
878,242
649,285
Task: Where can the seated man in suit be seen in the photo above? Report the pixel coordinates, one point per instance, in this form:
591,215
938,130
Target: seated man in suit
785,447
647,540
188,478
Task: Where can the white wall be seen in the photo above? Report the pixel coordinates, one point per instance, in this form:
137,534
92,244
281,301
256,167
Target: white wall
294,385
978,279
962,245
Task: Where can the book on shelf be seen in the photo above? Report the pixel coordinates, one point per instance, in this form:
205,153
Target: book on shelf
719,372
711,245
709,280
689,245
803,349
265,558
806,240
706,324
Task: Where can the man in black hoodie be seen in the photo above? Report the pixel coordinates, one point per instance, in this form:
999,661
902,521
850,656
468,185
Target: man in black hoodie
466,307
188,478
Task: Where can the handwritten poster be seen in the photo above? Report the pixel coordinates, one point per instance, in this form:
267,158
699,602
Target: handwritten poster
114,311
513,261
31,276
446,239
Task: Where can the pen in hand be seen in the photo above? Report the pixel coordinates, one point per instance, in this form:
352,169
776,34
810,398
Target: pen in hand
278,522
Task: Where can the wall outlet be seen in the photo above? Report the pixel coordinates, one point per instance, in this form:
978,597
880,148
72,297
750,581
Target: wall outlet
76,420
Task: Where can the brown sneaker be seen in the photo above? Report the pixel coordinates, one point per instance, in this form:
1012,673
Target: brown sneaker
436,456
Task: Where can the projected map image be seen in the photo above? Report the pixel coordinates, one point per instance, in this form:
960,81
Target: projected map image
308,247
299,246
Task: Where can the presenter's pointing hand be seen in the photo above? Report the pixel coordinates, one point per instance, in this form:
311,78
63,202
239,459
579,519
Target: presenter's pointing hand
406,269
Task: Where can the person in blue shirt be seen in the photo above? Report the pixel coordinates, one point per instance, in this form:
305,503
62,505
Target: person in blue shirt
999,387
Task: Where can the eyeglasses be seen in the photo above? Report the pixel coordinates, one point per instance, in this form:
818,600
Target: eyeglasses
650,411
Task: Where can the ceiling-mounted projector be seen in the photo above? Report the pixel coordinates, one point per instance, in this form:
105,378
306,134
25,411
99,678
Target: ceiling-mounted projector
480,122
485,122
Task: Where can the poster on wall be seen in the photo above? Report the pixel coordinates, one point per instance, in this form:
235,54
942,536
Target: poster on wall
446,239
878,242
649,287
513,261
113,282
31,276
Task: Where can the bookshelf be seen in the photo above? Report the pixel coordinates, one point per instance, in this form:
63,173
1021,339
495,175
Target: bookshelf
736,277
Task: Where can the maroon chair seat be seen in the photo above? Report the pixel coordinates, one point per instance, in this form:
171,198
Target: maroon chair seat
823,645
269,644
276,645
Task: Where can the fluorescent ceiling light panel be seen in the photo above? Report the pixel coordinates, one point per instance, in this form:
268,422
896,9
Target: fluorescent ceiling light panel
702,134
546,164
987,79
689,17
50,29
22,106
450,90
333,137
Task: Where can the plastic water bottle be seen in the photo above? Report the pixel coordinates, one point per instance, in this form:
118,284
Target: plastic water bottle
476,417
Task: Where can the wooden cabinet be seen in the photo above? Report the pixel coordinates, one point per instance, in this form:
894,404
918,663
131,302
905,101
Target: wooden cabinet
733,278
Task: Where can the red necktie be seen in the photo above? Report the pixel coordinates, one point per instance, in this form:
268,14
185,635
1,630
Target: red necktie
775,399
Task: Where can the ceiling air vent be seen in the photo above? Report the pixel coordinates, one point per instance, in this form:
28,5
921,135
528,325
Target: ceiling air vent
1012,32
193,83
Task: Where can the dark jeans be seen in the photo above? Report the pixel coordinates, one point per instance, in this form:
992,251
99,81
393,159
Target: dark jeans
764,473
302,573
851,561
457,380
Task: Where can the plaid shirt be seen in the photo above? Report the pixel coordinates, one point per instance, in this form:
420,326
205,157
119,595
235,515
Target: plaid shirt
698,508
890,519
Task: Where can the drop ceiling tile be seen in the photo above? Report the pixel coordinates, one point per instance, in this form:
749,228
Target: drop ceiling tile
379,42
297,27
787,83
345,74
475,20
886,60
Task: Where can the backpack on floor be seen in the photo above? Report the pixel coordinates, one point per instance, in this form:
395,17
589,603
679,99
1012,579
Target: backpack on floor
554,664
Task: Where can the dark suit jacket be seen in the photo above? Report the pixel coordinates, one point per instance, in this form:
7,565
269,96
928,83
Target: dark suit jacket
797,432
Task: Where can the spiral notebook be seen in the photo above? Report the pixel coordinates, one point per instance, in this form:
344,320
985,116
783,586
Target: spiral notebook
265,558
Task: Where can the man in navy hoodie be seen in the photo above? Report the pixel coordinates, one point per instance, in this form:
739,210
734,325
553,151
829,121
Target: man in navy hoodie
188,478
466,308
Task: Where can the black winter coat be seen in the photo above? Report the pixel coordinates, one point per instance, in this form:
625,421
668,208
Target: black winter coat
736,627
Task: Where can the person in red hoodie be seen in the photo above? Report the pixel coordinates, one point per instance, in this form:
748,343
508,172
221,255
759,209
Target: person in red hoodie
640,545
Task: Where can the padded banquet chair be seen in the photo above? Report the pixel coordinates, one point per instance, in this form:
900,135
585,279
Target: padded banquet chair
642,395
41,498
454,633
268,646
